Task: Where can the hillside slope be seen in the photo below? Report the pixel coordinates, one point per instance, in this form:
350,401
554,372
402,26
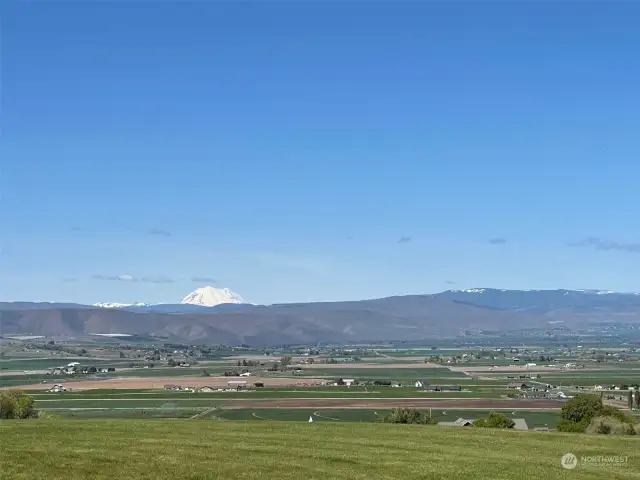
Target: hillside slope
396,318
571,306
292,451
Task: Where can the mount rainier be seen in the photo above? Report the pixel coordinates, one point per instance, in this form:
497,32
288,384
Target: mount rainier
201,298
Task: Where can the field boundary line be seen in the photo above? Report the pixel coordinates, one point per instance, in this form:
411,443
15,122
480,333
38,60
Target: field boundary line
316,414
204,413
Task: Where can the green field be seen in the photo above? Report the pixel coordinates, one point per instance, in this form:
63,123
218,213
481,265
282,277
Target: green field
21,364
89,398
432,374
610,377
533,418
200,449
541,418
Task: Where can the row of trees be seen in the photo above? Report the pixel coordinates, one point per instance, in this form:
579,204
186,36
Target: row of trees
494,420
408,415
174,363
247,363
633,399
411,415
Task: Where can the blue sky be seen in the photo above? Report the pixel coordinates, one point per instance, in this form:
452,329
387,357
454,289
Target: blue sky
283,149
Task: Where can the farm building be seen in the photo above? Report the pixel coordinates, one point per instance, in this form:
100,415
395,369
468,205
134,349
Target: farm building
460,422
237,384
520,423
443,388
518,386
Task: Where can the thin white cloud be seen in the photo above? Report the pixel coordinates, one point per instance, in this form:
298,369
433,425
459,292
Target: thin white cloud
131,278
197,279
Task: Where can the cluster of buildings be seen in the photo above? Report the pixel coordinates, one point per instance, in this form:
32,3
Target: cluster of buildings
232,386
74,367
437,388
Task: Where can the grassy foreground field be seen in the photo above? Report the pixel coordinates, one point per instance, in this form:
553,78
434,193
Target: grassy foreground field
196,449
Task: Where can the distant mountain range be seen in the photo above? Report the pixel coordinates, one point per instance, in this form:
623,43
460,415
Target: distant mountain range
603,305
447,314
199,300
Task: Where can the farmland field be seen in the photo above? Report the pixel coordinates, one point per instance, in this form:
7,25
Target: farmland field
20,364
411,373
285,392
152,449
533,418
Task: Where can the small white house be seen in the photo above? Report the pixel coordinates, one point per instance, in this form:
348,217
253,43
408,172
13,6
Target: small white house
348,381
418,384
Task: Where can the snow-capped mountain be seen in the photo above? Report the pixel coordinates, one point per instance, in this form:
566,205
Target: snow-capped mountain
211,297
564,292
119,305
547,302
201,298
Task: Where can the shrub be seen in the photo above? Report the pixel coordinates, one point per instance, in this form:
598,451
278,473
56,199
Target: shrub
613,412
606,425
582,407
571,427
580,413
408,415
494,420
15,404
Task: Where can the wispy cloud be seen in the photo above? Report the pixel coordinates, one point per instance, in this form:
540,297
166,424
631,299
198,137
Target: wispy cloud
114,278
450,282
203,280
497,241
157,280
69,279
603,244
131,278
404,239
159,232
79,229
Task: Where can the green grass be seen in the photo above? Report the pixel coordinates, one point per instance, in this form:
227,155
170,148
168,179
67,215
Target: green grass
202,449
